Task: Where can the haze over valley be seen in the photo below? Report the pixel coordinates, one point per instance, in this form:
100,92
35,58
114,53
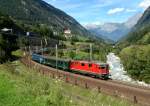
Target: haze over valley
114,31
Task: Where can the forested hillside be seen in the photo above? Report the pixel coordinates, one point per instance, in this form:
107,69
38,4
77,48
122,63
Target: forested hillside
136,53
38,12
16,38
136,60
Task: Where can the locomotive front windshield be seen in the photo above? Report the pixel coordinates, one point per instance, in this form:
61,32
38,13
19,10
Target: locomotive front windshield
104,67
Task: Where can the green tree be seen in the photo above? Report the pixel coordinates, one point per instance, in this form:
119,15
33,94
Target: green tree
136,60
72,54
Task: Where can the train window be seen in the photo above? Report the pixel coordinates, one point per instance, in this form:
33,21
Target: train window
82,64
90,65
102,67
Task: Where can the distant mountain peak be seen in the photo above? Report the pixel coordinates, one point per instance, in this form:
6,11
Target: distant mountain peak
115,31
91,26
110,27
133,20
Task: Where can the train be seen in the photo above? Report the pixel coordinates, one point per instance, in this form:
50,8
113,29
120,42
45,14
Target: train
99,70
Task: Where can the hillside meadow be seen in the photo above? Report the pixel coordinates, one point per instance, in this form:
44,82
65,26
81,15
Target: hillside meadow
21,86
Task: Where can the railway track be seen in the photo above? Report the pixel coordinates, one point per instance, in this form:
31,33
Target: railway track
130,84
136,94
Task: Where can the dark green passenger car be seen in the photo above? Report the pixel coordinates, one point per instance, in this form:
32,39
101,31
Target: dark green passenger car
61,64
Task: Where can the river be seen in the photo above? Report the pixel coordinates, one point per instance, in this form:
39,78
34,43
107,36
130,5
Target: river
118,72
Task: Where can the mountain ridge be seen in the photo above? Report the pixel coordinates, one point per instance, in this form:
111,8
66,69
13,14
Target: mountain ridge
39,12
115,31
140,31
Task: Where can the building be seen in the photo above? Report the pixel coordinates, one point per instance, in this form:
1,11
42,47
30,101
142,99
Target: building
67,33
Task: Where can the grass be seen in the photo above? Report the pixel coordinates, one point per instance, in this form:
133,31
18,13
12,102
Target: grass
18,53
21,86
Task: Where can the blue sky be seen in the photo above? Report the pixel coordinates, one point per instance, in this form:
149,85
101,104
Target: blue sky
100,11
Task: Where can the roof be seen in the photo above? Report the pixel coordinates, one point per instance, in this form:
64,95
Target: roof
89,62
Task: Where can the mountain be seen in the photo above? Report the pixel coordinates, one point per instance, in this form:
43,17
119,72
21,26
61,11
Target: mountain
145,19
135,49
92,28
133,20
34,12
114,31
140,33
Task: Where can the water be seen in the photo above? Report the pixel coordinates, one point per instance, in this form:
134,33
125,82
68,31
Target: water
118,72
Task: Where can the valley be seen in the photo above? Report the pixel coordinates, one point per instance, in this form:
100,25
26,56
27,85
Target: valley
137,38
120,40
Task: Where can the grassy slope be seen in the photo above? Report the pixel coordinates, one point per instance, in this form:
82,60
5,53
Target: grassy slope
20,86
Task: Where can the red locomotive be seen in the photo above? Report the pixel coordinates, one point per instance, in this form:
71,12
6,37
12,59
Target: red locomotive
100,70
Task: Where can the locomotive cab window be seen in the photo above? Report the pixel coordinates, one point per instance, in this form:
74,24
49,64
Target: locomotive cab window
82,64
102,67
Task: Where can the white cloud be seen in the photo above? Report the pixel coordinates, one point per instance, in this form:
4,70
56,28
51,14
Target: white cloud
131,10
145,4
115,10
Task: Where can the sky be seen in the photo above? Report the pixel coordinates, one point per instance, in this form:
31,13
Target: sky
100,11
